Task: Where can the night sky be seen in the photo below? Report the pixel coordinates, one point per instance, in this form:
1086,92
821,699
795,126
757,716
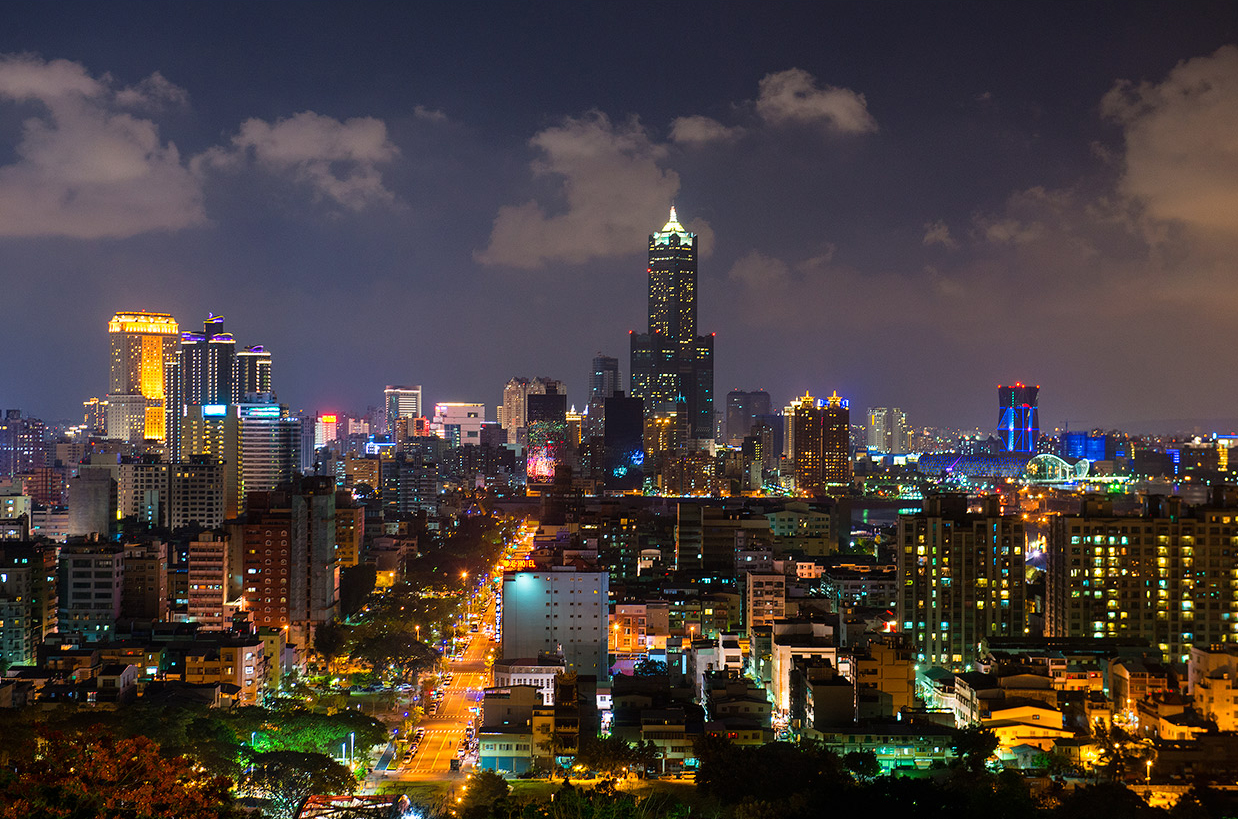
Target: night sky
908,203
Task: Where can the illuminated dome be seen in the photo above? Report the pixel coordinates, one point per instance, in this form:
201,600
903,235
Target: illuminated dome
1052,469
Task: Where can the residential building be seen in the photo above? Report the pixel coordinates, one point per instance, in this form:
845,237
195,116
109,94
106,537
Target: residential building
1212,677
90,588
888,431
210,570
766,599
962,578
27,599
1165,576
144,593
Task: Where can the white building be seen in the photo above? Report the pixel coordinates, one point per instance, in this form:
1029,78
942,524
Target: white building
459,423
799,638
888,431
558,611
529,671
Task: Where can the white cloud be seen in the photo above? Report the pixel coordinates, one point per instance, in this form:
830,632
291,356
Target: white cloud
84,169
938,233
429,114
792,96
153,91
338,160
696,130
1181,152
613,188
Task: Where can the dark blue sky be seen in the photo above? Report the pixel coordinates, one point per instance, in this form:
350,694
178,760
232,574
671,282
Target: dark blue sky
906,202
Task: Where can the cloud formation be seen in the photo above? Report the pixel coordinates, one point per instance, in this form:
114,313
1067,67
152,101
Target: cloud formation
792,97
86,169
611,180
1181,153
938,233
338,160
696,130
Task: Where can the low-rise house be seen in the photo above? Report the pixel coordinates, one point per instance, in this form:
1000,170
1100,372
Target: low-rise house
117,682
897,745
240,662
1212,680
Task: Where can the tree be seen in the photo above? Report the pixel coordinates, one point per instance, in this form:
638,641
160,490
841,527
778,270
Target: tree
331,641
485,789
974,745
356,584
863,764
609,755
287,777
384,648
80,776
1111,800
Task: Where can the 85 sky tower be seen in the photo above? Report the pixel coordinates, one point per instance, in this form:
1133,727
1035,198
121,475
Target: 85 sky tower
671,364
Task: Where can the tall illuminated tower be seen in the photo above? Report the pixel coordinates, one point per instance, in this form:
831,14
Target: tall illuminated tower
401,402
141,344
671,362
1018,417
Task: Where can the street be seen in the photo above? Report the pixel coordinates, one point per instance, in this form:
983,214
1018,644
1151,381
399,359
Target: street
445,730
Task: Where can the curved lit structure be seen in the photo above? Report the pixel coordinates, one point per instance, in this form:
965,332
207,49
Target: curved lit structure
1052,469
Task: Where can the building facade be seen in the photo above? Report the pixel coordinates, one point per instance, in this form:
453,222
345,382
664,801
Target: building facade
561,611
142,343
1168,576
670,362
962,578
888,431
401,402
1018,417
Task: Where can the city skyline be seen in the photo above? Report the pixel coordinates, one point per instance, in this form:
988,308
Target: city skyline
905,240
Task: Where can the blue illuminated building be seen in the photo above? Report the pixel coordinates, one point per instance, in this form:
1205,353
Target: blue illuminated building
1018,418
1084,445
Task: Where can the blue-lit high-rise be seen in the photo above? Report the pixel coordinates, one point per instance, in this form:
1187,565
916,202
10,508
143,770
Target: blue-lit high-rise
1018,418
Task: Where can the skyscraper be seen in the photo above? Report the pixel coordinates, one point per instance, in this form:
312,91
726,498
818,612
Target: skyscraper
546,418
23,444
207,371
818,441
624,441
836,441
401,402
253,374
742,409
887,430
603,382
1018,417
141,344
804,423
671,362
